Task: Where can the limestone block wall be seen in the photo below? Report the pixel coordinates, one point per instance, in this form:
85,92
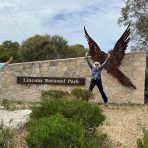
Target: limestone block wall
133,66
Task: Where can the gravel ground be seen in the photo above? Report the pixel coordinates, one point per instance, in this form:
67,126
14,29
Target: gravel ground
124,124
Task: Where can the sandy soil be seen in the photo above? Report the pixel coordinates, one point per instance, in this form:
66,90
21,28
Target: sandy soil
124,124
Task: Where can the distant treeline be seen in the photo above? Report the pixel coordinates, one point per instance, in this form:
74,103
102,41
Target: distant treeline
40,47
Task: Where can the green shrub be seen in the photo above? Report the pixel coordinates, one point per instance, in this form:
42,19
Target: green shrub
89,114
96,140
6,54
55,131
6,135
56,94
6,103
45,130
78,93
53,120
83,94
143,143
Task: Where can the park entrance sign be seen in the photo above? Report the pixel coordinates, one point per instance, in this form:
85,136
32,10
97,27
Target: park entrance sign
51,80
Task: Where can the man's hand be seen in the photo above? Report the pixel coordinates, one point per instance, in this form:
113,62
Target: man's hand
108,56
86,54
11,58
9,61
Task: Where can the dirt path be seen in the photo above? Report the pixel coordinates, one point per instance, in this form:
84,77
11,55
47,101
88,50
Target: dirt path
124,124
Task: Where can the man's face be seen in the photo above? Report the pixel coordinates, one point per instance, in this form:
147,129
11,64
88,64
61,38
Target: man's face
96,65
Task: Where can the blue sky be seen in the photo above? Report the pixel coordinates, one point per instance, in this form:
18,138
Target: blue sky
22,19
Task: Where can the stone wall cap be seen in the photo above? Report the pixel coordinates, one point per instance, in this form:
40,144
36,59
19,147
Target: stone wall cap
66,59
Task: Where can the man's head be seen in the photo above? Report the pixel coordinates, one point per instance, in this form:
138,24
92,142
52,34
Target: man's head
96,65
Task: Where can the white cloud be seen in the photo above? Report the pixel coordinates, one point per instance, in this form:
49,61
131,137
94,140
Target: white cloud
20,20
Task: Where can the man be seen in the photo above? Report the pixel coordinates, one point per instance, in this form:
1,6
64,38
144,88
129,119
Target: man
2,65
96,76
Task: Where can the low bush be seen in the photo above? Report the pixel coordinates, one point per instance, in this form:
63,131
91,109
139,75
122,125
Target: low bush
55,94
55,131
6,103
78,93
83,94
89,114
143,143
96,140
65,123
6,135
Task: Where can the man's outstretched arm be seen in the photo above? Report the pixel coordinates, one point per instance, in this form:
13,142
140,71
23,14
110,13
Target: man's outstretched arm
105,62
90,65
9,61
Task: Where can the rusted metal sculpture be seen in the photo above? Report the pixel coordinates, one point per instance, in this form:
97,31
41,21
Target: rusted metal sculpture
116,57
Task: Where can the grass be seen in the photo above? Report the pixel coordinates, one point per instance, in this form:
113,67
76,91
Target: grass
15,105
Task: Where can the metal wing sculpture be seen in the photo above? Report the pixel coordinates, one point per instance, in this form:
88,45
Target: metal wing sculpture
117,54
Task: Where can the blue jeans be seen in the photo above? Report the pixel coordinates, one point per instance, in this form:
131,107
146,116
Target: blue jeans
100,87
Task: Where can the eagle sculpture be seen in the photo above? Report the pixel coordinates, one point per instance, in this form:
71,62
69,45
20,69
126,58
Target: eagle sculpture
117,54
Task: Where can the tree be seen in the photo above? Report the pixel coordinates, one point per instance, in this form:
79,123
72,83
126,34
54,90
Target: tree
37,48
44,47
136,12
77,50
9,48
60,45
48,47
9,45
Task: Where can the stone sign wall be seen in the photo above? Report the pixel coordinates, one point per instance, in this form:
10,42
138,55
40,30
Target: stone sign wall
133,66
